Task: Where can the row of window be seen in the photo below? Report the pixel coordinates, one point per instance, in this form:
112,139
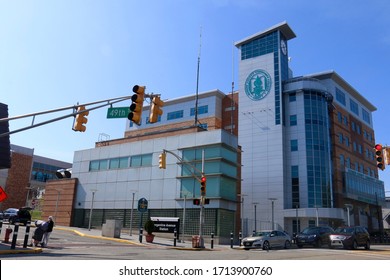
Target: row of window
354,107
121,162
358,167
354,126
179,114
356,147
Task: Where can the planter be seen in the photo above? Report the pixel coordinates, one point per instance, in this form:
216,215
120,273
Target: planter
149,238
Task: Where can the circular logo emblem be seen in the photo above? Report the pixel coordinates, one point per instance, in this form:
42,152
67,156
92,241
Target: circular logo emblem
258,84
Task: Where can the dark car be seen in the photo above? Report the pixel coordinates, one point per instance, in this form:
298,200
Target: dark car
22,216
314,236
350,237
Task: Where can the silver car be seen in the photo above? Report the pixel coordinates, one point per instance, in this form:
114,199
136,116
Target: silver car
267,240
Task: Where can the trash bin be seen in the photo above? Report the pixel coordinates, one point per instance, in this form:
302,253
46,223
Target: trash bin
195,241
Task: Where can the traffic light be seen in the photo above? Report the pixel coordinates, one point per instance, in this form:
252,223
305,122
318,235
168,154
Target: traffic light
5,144
196,201
155,109
203,186
80,120
137,105
380,160
162,160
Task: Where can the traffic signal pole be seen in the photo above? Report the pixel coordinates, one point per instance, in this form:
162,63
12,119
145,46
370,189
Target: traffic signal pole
107,102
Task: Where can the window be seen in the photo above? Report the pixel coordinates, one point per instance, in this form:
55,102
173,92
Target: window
293,120
294,145
340,96
354,107
175,115
201,110
366,116
292,97
341,160
340,138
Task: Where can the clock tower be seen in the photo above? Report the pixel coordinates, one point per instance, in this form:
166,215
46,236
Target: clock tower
263,66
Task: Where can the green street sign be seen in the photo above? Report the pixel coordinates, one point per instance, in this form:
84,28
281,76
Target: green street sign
118,112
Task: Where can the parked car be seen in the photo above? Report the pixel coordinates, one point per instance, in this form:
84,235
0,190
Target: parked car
13,215
350,237
314,236
8,213
267,240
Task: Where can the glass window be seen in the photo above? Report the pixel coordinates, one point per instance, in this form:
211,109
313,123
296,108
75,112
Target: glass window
294,145
136,161
114,163
366,116
201,110
175,115
123,162
293,120
147,160
292,97
340,96
354,107
103,164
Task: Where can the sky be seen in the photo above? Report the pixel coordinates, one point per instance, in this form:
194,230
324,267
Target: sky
55,54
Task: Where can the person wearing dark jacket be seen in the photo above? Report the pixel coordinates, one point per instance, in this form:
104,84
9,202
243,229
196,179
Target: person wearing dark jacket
48,231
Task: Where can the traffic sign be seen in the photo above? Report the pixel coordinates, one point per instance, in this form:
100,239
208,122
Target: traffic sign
118,112
3,195
142,205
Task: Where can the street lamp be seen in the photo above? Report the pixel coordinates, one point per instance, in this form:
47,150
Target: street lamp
131,215
255,205
90,212
349,208
184,193
272,212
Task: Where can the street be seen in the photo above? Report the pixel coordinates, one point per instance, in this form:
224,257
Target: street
67,245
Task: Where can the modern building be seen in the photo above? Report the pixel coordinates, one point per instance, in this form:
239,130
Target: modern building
117,173
24,182
283,152
307,142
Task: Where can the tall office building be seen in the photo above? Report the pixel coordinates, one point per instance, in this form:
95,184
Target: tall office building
307,142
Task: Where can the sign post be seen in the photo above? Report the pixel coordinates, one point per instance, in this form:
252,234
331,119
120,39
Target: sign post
142,208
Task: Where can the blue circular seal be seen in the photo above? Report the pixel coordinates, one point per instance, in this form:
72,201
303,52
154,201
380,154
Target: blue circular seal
258,84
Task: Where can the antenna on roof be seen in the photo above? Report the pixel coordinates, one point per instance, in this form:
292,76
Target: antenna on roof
197,79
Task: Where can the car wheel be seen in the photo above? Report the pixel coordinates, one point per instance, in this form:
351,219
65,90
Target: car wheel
299,245
287,244
246,249
11,221
318,243
367,246
354,245
266,245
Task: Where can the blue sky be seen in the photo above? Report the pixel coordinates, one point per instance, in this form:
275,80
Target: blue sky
57,53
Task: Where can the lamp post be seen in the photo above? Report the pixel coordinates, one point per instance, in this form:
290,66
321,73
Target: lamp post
349,208
272,211
255,206
131,215
90,212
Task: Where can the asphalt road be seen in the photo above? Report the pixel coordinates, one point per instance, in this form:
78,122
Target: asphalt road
66,245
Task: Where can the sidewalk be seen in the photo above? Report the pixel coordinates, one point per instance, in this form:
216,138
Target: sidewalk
125,237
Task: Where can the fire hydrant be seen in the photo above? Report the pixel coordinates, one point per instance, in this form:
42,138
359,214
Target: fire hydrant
8,232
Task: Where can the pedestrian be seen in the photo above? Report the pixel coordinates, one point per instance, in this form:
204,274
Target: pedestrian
39,232
49,230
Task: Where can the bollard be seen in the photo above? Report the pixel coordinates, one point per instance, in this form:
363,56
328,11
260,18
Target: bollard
231,239
240,238
15,236
140,235
26,235
174,238
212,240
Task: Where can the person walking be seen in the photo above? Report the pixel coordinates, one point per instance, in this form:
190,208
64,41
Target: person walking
48,231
